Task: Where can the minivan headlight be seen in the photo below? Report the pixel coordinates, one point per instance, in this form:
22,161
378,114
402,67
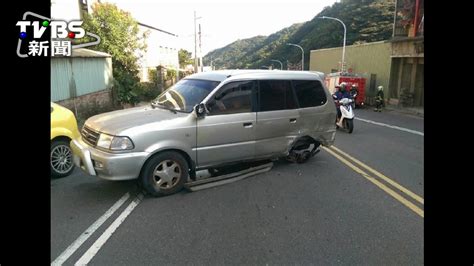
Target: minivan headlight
121,143
114,143
104,141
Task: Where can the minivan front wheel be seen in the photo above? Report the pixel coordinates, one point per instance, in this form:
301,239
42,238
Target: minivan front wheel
164,174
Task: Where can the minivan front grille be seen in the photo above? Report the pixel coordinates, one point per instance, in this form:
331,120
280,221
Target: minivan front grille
90,136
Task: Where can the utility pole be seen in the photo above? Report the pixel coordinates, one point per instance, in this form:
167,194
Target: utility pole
200,50
196,68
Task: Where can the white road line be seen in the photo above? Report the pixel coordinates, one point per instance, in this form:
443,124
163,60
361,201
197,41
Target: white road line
89,231
92,251
390,126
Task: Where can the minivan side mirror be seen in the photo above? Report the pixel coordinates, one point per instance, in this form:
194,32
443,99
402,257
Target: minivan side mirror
200,110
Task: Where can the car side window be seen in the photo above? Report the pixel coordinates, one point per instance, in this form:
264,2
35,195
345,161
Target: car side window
232,98
276,95
310,93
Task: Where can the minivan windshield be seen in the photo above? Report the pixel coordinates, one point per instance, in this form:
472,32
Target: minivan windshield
185,94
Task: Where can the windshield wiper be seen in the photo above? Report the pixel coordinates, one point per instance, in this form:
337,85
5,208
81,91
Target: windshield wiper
172,110
154,104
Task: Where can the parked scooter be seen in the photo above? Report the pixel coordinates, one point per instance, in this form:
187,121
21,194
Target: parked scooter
346,121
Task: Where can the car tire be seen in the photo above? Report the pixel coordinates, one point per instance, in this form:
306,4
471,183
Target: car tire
60,159
302,157
164,174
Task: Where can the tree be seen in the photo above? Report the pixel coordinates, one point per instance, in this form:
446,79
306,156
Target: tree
184,58
121,38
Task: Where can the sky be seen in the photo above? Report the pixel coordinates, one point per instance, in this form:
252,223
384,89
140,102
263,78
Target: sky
222,22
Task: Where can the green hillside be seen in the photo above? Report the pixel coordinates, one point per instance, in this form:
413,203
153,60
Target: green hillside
366,21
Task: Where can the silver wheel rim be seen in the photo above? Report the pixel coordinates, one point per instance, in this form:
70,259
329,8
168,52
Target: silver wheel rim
61,159
167,174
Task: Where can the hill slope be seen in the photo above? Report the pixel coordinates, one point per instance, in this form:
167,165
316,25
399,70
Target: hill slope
366,21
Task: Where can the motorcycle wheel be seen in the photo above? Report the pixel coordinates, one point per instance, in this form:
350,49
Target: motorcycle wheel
349,125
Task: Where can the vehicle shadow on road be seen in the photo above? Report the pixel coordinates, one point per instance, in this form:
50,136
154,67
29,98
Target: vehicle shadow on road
92,187
106,188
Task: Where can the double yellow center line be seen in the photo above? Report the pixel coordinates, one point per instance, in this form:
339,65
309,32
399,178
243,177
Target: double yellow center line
352,162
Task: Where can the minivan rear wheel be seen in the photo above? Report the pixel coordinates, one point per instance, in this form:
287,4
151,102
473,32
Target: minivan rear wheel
164,174
302,151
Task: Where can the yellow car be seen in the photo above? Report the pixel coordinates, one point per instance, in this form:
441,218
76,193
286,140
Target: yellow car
63,130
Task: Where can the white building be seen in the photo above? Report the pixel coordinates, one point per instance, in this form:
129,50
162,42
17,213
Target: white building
162,50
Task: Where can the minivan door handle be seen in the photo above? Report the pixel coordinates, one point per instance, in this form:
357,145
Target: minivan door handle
248,125
293,120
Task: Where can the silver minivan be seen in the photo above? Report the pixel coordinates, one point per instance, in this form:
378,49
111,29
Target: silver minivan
206,121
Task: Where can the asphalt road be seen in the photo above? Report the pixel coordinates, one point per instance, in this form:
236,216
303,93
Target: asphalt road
321,212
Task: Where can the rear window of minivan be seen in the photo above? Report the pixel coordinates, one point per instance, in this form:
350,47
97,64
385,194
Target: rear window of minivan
310,93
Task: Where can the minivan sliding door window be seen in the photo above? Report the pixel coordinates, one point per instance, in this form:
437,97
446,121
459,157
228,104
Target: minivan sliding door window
276,95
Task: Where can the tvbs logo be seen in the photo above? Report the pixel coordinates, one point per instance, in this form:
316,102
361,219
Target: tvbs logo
62,33
64,36
59,29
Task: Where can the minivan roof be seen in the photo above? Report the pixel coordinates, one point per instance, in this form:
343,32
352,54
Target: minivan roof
220,75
